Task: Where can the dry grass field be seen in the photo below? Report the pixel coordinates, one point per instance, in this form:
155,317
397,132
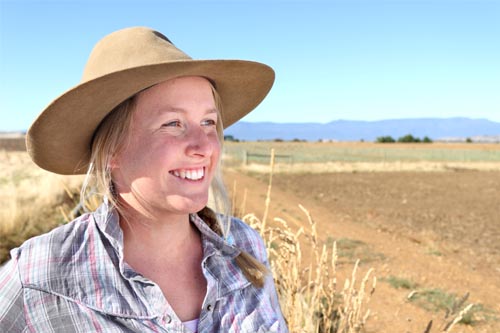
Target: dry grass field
429,238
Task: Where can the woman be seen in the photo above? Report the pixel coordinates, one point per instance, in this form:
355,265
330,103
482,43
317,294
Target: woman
145,124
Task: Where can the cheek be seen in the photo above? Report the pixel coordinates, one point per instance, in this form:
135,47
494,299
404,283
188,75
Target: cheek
216,147
131,158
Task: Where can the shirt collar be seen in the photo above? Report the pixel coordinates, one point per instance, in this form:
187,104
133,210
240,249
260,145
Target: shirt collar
218,254
108,221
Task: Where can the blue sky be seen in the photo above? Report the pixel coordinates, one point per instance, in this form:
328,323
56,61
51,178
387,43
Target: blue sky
349,59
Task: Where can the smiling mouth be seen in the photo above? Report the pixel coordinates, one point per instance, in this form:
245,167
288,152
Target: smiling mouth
191,174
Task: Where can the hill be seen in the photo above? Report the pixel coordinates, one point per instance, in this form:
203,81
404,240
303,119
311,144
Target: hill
447,129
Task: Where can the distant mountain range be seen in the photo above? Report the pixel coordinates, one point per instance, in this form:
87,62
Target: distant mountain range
437,129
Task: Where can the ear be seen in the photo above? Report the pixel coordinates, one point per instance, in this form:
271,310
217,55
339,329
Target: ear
113,162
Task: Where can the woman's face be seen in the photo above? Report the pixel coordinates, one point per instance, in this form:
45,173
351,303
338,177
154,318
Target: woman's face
172,150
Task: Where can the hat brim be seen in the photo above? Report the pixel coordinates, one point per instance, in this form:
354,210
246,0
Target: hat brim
59,140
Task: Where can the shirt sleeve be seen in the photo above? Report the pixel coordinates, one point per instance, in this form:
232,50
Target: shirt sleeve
11,299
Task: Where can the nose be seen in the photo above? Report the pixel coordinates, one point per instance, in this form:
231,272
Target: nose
199,143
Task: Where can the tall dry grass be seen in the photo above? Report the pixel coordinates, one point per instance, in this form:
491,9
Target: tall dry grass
30,200
310,298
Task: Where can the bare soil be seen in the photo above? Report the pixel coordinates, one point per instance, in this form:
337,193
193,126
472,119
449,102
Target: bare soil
440,230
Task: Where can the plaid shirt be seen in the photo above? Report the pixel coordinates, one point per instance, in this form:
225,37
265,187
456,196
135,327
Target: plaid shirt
74,279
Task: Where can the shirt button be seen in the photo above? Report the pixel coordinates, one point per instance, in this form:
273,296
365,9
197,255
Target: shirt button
209,307
167,319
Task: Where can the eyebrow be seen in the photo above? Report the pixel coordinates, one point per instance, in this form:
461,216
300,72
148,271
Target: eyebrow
181,110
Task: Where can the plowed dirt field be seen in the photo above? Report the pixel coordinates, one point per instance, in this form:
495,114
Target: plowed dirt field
439,230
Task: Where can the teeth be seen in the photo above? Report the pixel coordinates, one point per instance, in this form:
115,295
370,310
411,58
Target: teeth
189,174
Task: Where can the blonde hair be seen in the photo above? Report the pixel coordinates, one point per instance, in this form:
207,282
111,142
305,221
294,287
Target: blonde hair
110,137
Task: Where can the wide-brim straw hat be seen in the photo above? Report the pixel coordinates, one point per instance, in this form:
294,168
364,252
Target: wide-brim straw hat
122,64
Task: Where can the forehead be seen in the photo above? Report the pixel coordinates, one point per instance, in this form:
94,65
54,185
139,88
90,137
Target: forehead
178,91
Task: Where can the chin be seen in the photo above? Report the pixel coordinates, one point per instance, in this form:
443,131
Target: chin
190,206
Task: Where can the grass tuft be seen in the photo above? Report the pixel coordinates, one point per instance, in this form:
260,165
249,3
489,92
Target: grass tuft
399,283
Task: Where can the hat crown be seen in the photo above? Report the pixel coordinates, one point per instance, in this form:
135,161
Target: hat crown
129,48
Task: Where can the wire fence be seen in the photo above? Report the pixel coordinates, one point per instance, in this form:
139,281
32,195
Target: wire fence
290,152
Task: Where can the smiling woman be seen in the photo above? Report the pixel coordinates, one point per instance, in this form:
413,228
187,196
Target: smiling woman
145,125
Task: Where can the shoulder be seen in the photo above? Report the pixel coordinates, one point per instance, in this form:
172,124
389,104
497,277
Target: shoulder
35,255
11,299
247,239
52,240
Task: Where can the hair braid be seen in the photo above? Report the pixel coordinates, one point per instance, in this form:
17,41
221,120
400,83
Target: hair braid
254,270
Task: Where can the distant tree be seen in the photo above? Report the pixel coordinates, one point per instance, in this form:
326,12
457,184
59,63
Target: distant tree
230,138
426,139
408,138
468,140
278,140
385,139
404,139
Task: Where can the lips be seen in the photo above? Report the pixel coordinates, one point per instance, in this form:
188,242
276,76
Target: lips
191,174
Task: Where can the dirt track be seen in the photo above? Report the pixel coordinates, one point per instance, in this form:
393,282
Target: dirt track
440,230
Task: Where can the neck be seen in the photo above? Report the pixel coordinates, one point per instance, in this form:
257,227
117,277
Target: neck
169,252
170,233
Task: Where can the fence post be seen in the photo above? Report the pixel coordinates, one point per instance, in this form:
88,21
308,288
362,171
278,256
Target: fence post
245,157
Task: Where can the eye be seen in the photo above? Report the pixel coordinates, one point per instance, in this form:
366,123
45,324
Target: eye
173,123
209,122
